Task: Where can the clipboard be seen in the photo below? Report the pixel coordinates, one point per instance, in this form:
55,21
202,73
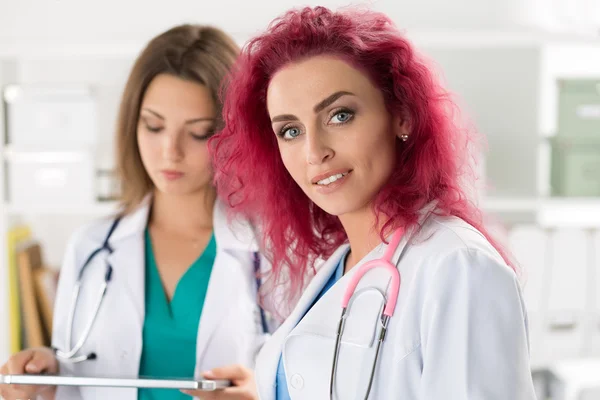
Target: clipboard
142,382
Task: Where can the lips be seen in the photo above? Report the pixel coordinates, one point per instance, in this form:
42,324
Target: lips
330,176
171,174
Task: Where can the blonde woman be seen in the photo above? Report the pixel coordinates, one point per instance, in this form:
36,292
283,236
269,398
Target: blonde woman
181,288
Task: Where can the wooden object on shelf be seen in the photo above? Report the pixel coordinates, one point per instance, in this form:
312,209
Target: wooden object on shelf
29,260
46,282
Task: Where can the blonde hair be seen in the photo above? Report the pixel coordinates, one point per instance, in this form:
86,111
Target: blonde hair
202,54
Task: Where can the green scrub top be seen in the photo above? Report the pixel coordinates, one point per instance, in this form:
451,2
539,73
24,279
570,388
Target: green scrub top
171,328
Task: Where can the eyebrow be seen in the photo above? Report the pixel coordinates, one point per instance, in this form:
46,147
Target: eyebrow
189,121
318,108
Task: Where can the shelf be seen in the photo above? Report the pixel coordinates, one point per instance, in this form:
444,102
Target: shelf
550,212
99,208
510,204
577,213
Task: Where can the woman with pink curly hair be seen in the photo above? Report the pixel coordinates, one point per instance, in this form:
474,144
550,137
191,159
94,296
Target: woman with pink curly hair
343,148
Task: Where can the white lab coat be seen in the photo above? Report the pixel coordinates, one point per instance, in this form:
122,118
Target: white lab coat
229,329
459,330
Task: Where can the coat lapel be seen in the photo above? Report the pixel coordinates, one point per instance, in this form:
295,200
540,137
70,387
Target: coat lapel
234,239
218,295
268,358
127,258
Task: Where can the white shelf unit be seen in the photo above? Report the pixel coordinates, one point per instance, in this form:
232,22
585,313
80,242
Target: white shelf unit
510,90
105,72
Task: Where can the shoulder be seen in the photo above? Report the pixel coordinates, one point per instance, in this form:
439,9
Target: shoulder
447,236
455,253
81,243
451,234
91,234
232,231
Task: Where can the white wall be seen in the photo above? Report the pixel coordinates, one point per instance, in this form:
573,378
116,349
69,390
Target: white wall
497,88
28,23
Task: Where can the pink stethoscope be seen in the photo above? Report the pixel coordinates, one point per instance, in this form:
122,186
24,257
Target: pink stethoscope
388,311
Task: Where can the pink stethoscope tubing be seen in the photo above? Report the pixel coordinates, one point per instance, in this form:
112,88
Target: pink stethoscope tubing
390,306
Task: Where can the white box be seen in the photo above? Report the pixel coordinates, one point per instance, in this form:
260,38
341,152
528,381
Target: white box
565,319
529,244
50,179
40,117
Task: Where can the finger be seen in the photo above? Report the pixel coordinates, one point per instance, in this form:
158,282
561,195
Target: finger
197,393
231,372
40,362
16,366
243,393
16,363
8,393
203,395
225,394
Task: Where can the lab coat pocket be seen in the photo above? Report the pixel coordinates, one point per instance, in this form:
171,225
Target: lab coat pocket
308,351
363,317
308,359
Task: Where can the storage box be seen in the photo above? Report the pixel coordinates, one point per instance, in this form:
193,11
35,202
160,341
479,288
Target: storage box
40,117
575,166
579,107
42,179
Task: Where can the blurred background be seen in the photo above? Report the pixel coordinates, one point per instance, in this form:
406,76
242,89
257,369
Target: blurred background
526,71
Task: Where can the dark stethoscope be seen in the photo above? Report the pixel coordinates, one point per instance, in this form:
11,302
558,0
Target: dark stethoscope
71,356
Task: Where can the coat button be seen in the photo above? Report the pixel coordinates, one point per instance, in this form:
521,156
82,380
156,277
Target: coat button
297,381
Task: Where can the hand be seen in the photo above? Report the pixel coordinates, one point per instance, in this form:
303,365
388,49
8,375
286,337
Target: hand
30,361
242,379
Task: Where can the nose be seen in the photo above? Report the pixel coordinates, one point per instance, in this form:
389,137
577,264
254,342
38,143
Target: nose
173,147
317,149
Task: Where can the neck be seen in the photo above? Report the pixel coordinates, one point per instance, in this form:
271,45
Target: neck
187,215
362,234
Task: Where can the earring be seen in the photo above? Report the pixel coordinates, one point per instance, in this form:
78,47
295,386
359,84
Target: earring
404,137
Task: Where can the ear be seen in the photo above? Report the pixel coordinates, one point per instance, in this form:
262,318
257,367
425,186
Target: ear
401,126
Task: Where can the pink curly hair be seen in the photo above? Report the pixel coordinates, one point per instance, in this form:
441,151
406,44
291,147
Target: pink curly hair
249,173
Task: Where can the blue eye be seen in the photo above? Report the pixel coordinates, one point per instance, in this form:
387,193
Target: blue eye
290,133
342,116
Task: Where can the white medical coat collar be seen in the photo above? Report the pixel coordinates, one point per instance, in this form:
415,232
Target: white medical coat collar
234,235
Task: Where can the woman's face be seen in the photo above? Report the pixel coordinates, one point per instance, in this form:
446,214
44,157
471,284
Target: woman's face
335,134
176,119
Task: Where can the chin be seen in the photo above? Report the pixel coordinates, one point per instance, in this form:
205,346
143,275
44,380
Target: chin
176,190
336,208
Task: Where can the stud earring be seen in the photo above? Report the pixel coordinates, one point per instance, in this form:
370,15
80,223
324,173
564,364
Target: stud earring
404,137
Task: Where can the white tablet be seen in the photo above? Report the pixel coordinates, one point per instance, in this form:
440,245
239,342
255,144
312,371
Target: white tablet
142,382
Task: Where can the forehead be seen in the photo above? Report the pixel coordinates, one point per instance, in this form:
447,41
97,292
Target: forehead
305,83
171,93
